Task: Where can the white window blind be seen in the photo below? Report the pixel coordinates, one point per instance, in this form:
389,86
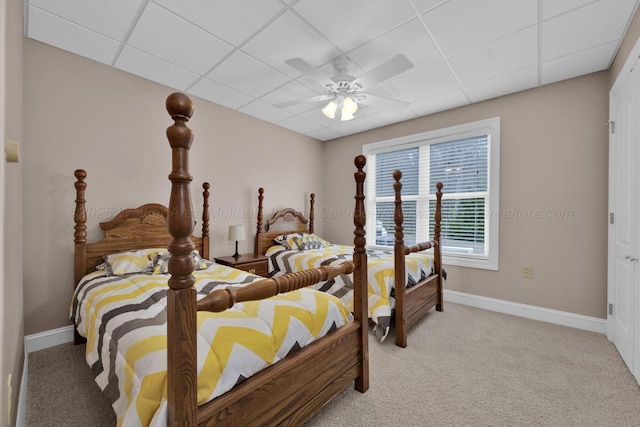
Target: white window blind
465,159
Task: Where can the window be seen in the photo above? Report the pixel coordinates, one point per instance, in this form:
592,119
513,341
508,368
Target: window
466,159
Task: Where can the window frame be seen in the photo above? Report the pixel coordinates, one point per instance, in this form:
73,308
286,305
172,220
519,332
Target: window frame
489,127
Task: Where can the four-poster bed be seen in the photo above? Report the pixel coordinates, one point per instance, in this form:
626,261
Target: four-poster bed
403,284
195,293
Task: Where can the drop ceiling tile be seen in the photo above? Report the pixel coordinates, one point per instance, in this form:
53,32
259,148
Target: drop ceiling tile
352,126
299,125
221,17
215,92
165,35
324,134
385,118
503,85
459,25
441,102
71,37
583,62
154,69
551,8
422,83
289,92
315,116
349,24
290,37
421,51
264,111
112,18
426,5
247,75
592,25
502,56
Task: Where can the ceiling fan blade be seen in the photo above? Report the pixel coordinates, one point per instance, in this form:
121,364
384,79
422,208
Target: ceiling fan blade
318,98
382,102
396,65
305,68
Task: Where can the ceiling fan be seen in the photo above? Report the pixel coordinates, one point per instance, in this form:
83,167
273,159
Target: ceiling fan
346,92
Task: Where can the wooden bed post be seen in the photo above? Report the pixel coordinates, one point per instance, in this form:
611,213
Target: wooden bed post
360,279
437,250
259,225
181,297
398,251
79,237
311,214
205,220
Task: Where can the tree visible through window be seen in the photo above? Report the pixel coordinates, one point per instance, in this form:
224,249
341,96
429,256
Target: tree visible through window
466,160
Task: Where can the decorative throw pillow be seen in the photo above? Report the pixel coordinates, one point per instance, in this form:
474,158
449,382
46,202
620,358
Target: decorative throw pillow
286,240
126,262
161,262
309,241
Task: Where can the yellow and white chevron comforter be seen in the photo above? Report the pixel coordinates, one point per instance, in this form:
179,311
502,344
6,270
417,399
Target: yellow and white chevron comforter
380,270
124,321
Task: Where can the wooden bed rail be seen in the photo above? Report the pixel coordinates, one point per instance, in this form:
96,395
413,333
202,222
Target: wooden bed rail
223,299
418,247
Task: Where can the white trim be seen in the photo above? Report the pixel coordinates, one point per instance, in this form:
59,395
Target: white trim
21,416
491,127
563,318
46,339
620,78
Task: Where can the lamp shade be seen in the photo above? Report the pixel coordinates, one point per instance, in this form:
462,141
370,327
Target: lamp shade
236,232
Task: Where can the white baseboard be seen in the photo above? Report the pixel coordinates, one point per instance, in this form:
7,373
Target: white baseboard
46,339
64,335
564,318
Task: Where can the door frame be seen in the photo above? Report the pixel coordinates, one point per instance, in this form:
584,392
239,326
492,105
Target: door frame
630,62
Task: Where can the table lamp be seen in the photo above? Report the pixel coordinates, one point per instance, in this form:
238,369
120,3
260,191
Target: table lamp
236,232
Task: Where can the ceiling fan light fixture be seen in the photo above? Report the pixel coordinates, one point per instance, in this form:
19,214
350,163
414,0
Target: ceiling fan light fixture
349,106
346,116
330,110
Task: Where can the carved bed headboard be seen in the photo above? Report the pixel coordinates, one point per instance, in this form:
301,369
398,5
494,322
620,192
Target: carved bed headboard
138,228
284,221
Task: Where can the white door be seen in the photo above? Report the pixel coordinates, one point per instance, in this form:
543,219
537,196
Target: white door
624,191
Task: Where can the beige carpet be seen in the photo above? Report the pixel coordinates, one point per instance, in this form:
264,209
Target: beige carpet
463,367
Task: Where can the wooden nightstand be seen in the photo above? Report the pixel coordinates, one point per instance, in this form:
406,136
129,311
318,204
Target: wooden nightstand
247,262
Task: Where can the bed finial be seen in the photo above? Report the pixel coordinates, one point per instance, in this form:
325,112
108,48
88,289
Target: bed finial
311,214
259,225
181,297
398,214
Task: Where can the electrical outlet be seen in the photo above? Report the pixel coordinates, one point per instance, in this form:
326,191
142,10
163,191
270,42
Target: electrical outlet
526,271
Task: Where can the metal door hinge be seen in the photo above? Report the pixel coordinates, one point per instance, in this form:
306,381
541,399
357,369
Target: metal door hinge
612,126
611,218
610,309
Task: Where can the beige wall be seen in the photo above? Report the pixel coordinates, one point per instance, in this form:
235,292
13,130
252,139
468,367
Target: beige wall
12,287
553,158
82,114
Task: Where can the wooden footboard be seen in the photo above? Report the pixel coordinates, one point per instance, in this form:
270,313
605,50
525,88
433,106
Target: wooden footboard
413,303
290,391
